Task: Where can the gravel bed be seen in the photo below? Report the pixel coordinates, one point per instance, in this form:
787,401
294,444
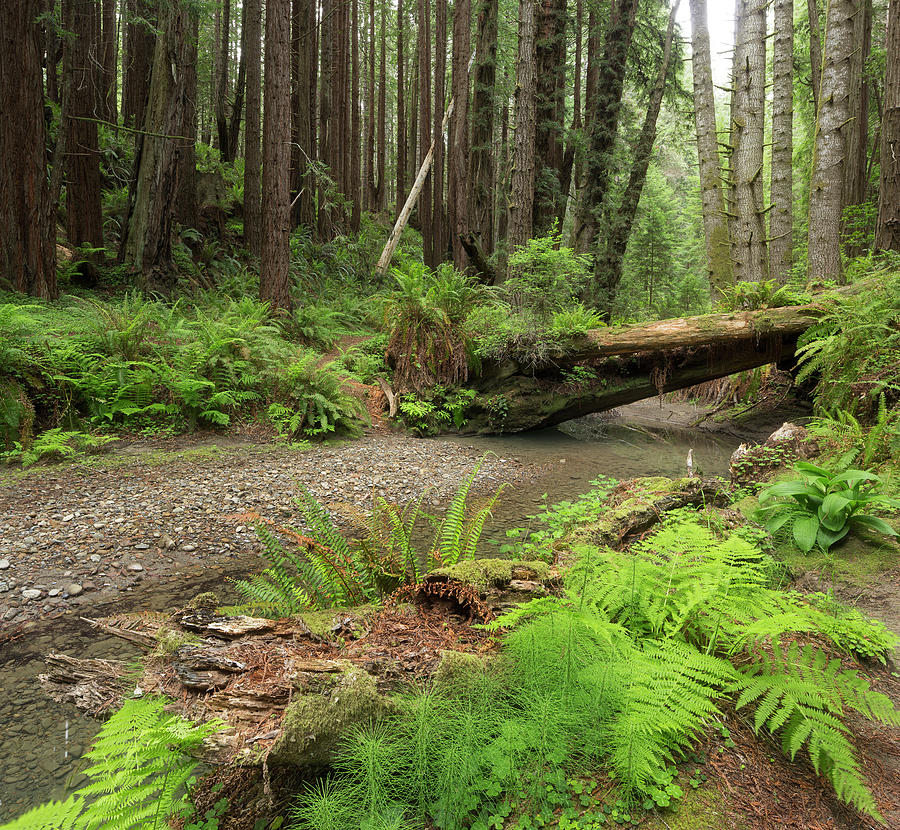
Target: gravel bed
78,535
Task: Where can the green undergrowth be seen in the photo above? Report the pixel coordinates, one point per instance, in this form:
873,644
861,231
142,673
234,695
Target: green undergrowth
616,680
132,364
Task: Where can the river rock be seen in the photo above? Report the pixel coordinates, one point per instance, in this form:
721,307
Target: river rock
31,593
4,564
74,589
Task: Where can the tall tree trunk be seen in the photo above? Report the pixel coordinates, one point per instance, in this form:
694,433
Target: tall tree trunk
27,217
482,180
412,130
326,118
401,107
604,120
382,188
425,128
222,141
84,223
857,128
459,132
815,51
438,212
715,222
781,190
748,235
565,179
581,226
829,153
619,220
887,231
186,202
550,48
369,137
251,35
355,193
107,67
140,45
53,53
501,206
237,107
147,243
521,196
274,269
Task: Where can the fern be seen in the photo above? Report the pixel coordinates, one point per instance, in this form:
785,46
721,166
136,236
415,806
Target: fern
802,693
140,771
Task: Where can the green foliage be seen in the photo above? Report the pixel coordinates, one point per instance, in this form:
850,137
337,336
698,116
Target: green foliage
626,669
823,506
751,296
331,569
838,351
141,364
842,438
55,444
141,768
438,408
424,316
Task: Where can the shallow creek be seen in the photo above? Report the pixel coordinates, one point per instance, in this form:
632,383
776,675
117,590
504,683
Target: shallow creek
40,742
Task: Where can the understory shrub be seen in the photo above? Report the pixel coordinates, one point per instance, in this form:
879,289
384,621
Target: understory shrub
625,670
378,553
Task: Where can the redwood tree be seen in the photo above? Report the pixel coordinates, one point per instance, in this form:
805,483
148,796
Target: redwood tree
459,131
781,214
251,33
887,233
27,218
274,271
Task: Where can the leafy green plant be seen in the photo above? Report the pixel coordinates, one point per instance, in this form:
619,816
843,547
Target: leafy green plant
56,444
823,507
751,296
329,570
141,771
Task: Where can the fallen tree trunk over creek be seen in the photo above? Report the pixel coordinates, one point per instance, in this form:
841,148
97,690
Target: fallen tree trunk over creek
620,366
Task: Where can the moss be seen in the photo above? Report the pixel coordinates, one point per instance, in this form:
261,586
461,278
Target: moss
315,722
699,810
207,601
321,623
488,573
169,641
459,670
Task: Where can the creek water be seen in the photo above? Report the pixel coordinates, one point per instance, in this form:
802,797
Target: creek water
41,741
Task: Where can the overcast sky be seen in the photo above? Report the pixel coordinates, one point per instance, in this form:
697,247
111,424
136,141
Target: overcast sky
721,34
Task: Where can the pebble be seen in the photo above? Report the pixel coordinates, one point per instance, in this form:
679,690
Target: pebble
31,593
80,522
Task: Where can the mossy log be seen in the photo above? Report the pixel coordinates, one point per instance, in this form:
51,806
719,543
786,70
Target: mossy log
623,365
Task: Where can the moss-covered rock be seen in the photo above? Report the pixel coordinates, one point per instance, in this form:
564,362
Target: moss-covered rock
329,623
491,573
330,702
459,670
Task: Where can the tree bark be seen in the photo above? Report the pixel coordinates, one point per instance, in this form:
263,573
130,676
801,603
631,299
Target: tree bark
274,271
27,216
107,68
355,194
815,51
401,107
147,243
781,190
381,153
237,106
482,178
829,153
887,232
748,234
251,34
604,122
425,128
368,162
439,213
619,220
186,202
521,196
84,223
715,222
140,46
459,132
565,183
550,56
326,121
222,141
857,127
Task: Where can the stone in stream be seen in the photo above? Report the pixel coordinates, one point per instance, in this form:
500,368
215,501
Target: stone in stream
31,593
74,589
4,564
